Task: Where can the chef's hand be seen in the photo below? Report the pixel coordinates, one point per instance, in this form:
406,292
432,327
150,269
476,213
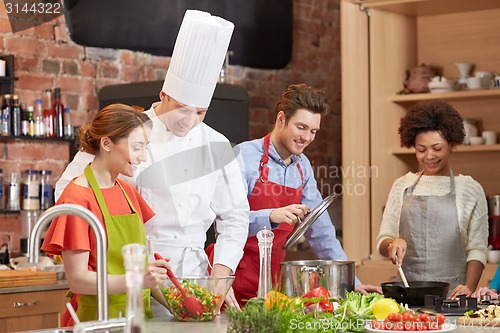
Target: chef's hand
221,270
156,272
288,214
395,247
231,300
485,291
368,288
460,290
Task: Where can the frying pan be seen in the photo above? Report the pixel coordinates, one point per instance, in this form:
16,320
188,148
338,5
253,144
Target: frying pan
301,227
415,294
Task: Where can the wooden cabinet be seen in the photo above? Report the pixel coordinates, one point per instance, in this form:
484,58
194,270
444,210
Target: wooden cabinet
380,40
31,310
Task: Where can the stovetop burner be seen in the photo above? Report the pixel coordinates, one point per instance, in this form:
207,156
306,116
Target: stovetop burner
448,307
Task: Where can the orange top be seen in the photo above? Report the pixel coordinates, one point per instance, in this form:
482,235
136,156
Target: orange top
71,232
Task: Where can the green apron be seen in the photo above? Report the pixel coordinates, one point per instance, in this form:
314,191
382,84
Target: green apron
121,230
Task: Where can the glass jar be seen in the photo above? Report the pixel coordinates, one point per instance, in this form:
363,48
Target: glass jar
470,130
46,190
13,191
31,187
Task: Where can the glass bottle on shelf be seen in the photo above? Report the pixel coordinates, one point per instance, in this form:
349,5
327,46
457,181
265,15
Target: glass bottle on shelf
134,260
59,111
6,112
46,191
31,122
68,128
49,114
15,116
24,119
38,118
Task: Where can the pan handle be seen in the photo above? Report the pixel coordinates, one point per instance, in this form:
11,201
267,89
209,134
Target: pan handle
401,292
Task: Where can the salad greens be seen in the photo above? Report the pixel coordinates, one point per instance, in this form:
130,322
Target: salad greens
175,302
357,304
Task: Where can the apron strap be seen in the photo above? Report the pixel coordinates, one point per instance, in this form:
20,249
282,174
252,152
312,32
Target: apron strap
97,191
264,168
452,183
100,197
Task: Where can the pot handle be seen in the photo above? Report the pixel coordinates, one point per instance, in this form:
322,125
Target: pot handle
316,269
401,291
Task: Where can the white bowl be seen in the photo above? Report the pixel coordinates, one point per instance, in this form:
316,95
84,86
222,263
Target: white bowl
477,140
493,256
440,85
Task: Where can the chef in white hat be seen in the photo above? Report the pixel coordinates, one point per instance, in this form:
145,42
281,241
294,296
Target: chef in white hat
191,179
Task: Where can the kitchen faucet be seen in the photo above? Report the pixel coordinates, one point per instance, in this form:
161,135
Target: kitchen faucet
100,234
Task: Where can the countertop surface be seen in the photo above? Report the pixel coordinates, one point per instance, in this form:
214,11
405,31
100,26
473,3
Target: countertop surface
60,284
170,325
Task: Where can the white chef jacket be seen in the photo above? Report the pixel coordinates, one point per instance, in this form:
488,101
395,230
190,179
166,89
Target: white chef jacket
189,182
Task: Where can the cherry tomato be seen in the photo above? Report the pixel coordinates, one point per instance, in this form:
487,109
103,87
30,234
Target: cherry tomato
408,316
398,317
424,317
440,318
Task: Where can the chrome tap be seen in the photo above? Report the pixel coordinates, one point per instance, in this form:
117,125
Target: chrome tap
101,240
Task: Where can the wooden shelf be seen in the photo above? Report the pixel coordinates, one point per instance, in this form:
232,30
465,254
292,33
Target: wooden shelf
448,96
33,138
428,7
460,149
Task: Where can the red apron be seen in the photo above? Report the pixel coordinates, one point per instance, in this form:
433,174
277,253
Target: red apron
265,195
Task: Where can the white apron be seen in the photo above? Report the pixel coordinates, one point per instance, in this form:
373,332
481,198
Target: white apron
429,225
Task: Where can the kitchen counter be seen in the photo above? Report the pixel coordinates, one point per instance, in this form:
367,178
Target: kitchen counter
170,325
60,284
220,324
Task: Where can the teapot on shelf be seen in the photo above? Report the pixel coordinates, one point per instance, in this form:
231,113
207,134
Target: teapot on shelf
418,78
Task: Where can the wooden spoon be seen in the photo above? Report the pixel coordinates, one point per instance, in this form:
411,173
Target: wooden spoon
191,303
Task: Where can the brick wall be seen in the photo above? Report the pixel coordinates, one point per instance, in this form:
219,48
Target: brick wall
45,57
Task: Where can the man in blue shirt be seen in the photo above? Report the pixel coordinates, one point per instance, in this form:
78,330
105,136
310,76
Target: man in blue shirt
281,187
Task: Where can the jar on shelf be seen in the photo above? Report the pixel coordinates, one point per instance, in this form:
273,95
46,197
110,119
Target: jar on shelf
13,191
46,190
31,187
470,130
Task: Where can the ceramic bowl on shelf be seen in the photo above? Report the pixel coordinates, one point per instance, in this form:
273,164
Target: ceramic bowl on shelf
440,84
476,140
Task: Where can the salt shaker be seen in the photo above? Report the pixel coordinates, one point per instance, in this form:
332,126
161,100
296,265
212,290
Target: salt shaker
134,258
265,240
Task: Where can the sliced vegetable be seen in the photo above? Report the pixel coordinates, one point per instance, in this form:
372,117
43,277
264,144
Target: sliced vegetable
175,302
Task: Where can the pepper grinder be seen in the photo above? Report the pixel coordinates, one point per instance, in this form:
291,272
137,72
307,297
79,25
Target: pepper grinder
134,258
265,240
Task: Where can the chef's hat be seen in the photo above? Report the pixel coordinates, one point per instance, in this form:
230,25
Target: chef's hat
199,52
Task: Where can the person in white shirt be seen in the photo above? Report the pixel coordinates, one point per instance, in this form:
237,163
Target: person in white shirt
435,222
191,179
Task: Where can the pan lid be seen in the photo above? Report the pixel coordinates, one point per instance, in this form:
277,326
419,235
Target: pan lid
301,227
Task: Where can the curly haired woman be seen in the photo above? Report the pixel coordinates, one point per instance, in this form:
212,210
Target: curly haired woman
435,222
